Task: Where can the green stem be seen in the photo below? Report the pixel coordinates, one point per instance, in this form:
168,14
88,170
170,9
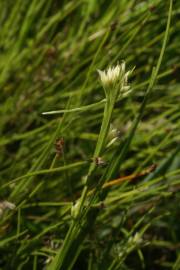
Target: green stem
72,232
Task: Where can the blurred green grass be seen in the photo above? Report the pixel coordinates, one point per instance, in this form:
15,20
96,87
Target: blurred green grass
49,55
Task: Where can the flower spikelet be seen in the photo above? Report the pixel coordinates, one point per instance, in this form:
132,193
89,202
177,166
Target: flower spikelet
115,79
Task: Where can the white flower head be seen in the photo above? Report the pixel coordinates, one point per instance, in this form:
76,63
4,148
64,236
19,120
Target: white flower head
6,205
110,76
115,78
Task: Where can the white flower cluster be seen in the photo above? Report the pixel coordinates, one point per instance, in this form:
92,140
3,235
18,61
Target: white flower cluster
6,205
115,76
110,76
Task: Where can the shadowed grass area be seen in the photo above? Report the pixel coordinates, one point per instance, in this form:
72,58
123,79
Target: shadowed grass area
89,176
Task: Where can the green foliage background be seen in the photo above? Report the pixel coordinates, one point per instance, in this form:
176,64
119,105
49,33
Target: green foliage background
49,55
